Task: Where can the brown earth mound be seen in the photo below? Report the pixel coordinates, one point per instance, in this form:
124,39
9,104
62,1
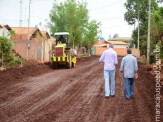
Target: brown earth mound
30,68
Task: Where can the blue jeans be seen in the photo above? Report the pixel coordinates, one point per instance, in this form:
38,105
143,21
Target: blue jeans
108,73
129,82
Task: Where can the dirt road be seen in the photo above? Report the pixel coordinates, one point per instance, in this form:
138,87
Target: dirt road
76,95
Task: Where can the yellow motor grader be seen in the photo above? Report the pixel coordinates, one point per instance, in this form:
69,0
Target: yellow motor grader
63,55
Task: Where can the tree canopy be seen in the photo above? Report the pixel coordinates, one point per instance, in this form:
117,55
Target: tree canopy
90,35
135,7
72,16
115,35
138,6
157,24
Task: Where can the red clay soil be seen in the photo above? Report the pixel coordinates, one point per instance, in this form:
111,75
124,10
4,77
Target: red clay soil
30,68
36,93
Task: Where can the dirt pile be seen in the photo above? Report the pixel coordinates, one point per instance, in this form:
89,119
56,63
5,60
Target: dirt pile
30,68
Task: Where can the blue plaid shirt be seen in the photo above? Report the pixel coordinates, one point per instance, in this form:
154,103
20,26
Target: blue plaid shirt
129,66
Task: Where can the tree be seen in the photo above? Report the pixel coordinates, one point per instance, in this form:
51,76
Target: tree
131,16
138,6
109,36
72,17
115,35
90,35
157,24
157,30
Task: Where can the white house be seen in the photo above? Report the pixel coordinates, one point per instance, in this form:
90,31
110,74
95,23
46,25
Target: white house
5,30
118,44
123,39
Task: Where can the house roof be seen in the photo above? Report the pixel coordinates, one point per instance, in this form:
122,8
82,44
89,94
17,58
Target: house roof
61,33
24,30
121,39
101,45
45,33
100,42
8,27
117,42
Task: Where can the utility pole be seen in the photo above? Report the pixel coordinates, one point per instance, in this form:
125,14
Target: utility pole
134,50
148,40
20,21
28,43
138,34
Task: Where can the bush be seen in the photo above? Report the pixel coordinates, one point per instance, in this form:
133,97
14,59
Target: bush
7,58
142,60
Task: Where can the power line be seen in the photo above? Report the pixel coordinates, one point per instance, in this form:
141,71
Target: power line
106,6
117,26
110,18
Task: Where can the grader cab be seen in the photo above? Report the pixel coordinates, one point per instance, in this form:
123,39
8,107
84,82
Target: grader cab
63,55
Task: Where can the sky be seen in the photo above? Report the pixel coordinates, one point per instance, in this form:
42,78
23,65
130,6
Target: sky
109,12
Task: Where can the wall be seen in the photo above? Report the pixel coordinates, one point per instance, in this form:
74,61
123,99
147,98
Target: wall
120,46
35,50
120,51
38,46
20,46
47,47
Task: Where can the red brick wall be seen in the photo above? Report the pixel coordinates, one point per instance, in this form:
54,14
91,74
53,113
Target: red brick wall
120,51
20,45
20,37
21,48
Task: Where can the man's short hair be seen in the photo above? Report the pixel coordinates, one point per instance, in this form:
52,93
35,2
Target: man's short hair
111,45
129,51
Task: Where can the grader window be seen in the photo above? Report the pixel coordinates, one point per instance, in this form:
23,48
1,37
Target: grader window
59,51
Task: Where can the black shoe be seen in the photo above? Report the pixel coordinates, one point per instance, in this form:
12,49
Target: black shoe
131,97
107,97
127,98
113,95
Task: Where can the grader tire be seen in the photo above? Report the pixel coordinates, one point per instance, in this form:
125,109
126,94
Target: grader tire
54,65
69,64
73,65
